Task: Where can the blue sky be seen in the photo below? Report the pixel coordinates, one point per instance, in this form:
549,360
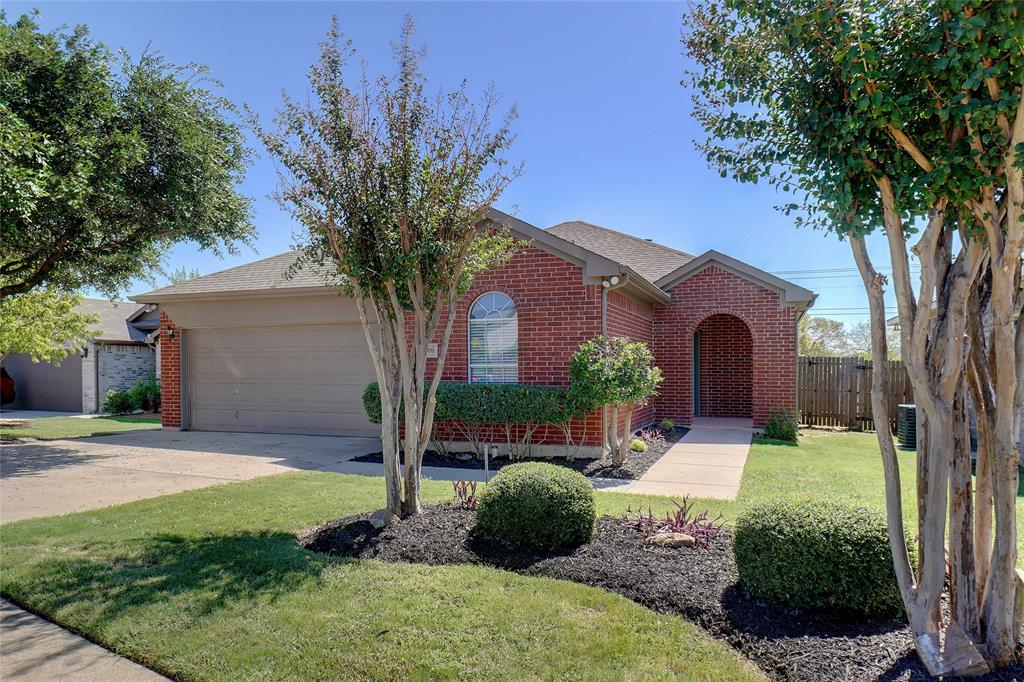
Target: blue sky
604,126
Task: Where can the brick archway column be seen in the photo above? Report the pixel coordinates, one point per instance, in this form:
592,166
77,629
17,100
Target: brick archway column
773,332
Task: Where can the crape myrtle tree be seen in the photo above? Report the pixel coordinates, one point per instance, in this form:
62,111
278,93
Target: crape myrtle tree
391,186
618,375
903,117
106,162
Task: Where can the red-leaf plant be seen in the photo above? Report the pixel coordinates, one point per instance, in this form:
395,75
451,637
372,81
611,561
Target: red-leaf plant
682,520
652,436
465,494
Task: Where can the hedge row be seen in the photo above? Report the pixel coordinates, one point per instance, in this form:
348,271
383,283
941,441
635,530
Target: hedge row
493,404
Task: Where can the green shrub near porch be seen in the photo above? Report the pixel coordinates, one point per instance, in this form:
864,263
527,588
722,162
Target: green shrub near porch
492,403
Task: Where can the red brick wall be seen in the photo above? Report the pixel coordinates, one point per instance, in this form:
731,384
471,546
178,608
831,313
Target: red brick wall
773,330
556,313
635,320
726,367
170,374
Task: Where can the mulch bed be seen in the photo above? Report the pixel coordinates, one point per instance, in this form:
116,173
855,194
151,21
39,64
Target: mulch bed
698,584
635,466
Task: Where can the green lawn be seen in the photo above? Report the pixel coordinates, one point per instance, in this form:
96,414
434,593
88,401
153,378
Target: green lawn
51,428
840,466
210,584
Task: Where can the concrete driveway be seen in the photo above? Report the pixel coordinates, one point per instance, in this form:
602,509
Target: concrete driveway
63,476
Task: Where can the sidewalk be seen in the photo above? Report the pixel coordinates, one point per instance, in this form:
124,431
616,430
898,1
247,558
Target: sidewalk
34,649
706,462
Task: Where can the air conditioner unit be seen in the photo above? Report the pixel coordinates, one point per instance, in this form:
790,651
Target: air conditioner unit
906,427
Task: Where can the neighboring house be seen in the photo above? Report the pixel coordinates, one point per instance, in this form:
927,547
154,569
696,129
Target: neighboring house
248,350
122,353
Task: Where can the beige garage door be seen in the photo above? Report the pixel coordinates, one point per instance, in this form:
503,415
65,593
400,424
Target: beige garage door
306,380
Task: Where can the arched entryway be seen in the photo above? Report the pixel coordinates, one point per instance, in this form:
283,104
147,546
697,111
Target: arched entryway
723,360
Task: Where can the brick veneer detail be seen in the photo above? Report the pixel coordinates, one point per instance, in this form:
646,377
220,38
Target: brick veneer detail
725,367
714,291
170,374
557,312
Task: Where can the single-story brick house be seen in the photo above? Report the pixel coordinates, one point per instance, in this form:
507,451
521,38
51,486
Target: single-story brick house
248,350
123,352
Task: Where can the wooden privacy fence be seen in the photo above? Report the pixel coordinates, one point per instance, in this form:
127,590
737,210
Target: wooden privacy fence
837,391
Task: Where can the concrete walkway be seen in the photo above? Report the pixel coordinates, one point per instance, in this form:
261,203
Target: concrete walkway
707,462
35,649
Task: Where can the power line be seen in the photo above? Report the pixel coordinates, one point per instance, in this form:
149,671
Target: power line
846,269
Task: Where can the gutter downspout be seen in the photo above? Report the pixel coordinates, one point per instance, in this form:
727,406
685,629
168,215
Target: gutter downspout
606,286
623,281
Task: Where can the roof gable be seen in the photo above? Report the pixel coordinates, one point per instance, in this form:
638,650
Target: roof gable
790,294
114,319
649,259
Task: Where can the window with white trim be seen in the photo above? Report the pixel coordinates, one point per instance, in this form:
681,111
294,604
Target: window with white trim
493,340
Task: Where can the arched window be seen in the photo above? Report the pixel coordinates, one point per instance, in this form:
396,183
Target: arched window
493,340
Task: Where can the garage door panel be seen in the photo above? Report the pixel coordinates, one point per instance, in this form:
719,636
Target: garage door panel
303,380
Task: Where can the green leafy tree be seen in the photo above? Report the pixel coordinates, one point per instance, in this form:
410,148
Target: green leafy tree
619,375
820,336
824,337
392,187
858,341
903,117
183,274
105,163
45,325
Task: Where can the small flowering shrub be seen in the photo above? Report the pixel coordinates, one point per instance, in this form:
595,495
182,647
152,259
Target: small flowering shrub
652,437
465,494
638,445
682,519
119,402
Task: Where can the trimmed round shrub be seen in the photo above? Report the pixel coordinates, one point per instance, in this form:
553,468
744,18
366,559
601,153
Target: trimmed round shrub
638,445
538,505
817,555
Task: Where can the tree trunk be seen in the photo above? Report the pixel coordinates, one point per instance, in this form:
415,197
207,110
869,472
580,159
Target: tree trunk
625,442
880,410
611,431
963,595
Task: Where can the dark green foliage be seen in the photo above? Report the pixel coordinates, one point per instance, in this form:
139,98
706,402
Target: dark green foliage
817,555
491,403
146,394
809,97
107,162
783,424
613,371
119,402
537,505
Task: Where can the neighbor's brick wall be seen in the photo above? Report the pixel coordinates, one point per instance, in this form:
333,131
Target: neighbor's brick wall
170,374
726,367
556,313
773,329
634,320
121,366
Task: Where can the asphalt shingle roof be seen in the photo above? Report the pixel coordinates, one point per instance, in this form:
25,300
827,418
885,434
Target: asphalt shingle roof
652,260
268,273
113,324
